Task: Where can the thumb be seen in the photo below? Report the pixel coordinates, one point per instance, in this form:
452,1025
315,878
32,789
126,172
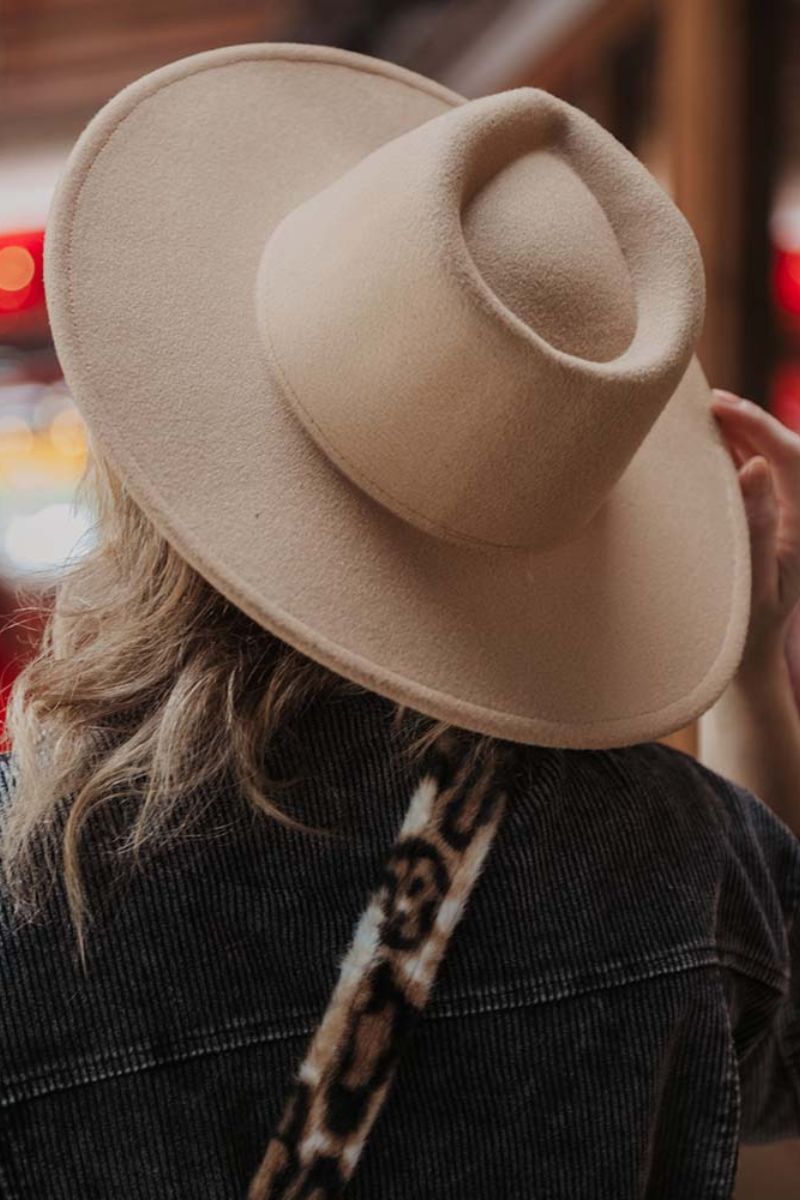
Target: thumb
761,506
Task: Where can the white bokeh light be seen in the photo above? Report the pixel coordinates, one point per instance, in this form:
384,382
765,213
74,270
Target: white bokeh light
46,540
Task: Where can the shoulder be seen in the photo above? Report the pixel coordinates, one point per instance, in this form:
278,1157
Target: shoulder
668,766
667,801
743,816
650,774
733,806
759,889
744,820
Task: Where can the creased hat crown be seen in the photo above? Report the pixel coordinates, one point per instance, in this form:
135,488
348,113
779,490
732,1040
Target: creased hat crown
378,409
481,320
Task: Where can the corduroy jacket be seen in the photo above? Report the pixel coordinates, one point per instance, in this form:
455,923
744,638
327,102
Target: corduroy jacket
618,1009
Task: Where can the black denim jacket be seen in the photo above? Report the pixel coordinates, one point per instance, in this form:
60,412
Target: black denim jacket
619,1006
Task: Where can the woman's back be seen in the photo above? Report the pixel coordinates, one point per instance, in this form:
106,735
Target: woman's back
614,1012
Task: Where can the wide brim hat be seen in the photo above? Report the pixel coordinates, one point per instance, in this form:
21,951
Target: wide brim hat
444,435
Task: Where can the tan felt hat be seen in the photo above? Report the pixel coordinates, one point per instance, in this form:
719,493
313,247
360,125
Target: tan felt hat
409,379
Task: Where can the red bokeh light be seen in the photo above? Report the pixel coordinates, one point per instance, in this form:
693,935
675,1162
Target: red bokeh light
784,401
21,272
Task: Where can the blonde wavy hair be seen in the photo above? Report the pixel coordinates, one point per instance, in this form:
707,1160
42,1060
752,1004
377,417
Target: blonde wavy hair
146,685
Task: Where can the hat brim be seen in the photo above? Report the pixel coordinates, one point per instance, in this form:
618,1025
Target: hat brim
622,635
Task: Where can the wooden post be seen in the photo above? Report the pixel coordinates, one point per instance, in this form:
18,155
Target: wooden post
702,101
704,51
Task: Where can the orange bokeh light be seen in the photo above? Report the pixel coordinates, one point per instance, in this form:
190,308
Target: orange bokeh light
21,281
17,268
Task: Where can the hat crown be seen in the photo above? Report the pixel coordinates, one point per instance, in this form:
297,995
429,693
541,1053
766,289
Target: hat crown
543,244
481,320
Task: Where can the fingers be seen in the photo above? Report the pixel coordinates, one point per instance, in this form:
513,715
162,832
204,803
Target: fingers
792,652
749,423
740,451
762,517
768,456
750,430
734,433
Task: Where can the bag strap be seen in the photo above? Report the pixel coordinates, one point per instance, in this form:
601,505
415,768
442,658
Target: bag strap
387,975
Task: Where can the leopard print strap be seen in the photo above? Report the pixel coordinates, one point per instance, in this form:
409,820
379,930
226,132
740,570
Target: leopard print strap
388,972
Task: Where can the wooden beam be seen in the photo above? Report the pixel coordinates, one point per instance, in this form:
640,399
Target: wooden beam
703,110
546,45
597,37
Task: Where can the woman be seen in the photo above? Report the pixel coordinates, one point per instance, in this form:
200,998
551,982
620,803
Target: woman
243,868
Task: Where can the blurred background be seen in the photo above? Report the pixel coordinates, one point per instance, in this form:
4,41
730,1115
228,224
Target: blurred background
705,92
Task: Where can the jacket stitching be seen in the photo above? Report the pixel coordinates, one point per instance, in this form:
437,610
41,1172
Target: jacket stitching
132,1060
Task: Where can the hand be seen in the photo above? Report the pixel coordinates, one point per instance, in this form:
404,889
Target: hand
767,456
792,653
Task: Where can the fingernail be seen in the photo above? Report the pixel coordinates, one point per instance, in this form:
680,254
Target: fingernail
727,397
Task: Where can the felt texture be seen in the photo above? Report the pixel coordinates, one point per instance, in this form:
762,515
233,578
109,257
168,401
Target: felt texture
464,460
412,374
